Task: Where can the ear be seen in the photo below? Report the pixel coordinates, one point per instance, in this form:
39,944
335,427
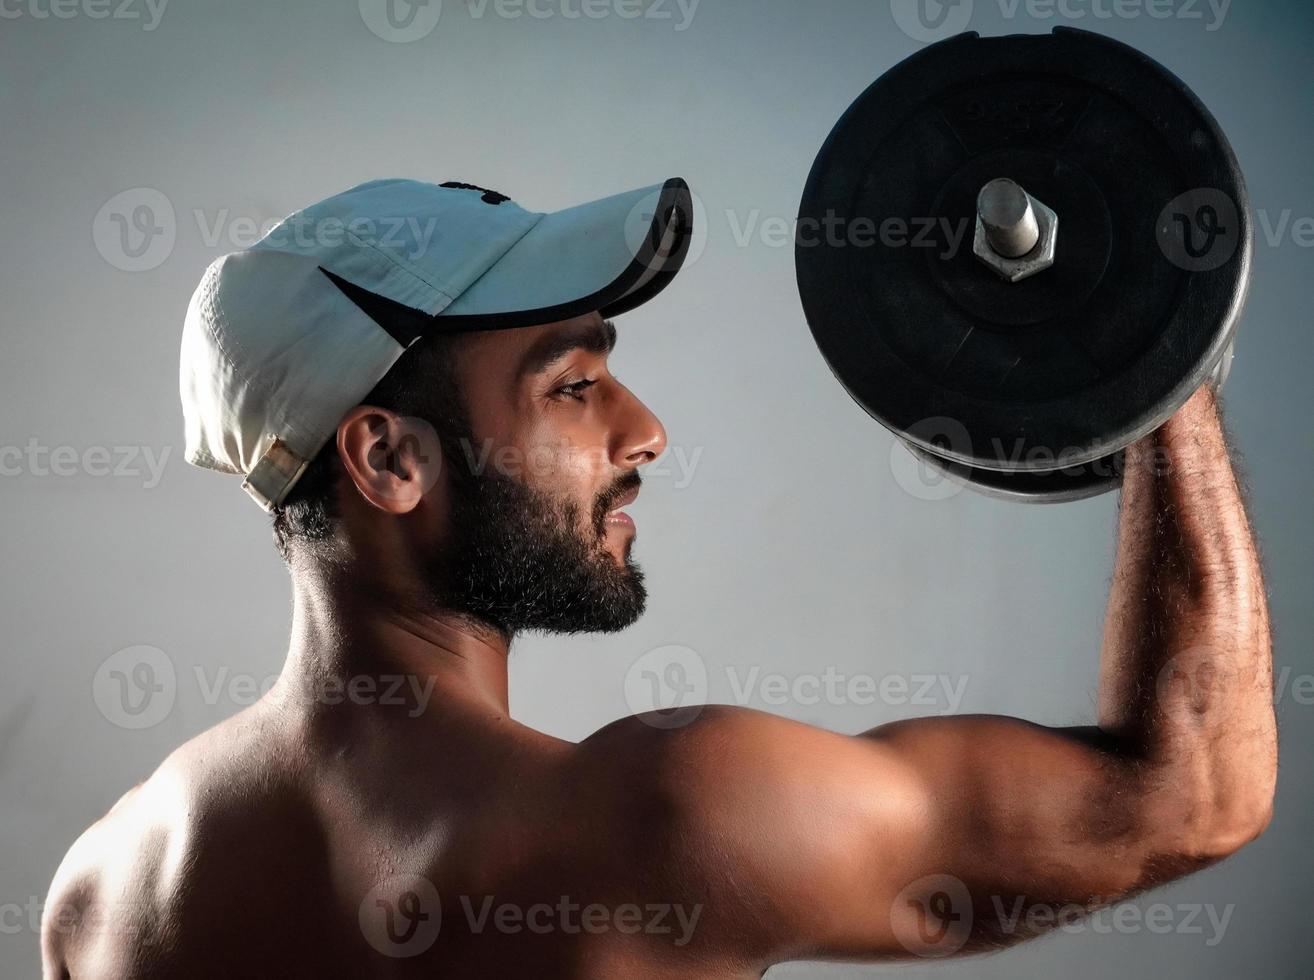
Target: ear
393,460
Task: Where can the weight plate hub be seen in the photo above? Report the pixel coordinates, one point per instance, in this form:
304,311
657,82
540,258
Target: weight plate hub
1024,375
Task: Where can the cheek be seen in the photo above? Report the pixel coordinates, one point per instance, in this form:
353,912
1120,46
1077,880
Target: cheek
558,460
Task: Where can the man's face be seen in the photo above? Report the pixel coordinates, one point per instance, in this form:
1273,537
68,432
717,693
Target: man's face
536,539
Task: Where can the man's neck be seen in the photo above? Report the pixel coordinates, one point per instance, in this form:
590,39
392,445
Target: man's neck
354,644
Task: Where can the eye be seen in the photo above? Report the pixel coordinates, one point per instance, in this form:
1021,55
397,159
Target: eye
574,389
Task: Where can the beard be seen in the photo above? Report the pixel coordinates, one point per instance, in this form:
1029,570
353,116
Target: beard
520,559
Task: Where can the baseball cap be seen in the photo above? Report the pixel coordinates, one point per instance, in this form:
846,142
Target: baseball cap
283,338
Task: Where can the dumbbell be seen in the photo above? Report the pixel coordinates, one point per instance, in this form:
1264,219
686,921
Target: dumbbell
1036,248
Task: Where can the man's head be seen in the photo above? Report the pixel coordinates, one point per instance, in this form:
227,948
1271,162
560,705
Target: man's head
413,378
477,479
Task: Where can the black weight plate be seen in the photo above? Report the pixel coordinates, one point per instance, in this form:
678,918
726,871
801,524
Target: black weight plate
1077,361
1049,487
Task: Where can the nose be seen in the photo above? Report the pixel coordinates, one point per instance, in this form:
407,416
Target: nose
640,436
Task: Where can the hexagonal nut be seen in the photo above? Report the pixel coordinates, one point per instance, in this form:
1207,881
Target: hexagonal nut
1040,258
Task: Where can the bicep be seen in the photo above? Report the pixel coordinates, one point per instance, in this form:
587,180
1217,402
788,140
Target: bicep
917,832
1019,814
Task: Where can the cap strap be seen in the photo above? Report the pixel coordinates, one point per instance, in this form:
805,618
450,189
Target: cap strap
274,475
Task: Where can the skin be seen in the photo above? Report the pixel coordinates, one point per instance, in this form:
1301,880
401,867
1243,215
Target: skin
276,843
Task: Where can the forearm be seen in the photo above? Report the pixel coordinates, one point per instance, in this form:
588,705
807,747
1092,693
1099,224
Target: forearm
1181,770
1186,672
1004,816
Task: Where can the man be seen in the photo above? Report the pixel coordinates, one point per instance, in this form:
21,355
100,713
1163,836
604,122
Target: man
432,506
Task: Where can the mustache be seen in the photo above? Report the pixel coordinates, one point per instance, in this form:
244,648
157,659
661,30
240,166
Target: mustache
607,500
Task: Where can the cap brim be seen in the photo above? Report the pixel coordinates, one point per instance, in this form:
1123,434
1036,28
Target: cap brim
609,255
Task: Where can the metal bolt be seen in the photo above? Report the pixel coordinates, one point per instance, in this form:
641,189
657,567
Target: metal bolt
1008,217
1016,234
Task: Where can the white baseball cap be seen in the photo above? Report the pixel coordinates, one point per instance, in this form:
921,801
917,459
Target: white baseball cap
283,338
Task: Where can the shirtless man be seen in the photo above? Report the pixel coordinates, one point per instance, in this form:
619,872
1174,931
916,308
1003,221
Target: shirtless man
326,833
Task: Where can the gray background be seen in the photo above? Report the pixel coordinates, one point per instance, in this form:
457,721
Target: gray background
793,547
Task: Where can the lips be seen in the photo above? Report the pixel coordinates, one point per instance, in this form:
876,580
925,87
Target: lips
616,516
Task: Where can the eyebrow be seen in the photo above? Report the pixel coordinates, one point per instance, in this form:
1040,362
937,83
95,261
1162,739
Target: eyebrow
596,338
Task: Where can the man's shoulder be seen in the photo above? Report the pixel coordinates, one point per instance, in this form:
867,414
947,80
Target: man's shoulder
706,751
212,810
733,784
758,819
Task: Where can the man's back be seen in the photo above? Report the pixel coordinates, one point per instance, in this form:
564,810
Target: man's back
272,846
